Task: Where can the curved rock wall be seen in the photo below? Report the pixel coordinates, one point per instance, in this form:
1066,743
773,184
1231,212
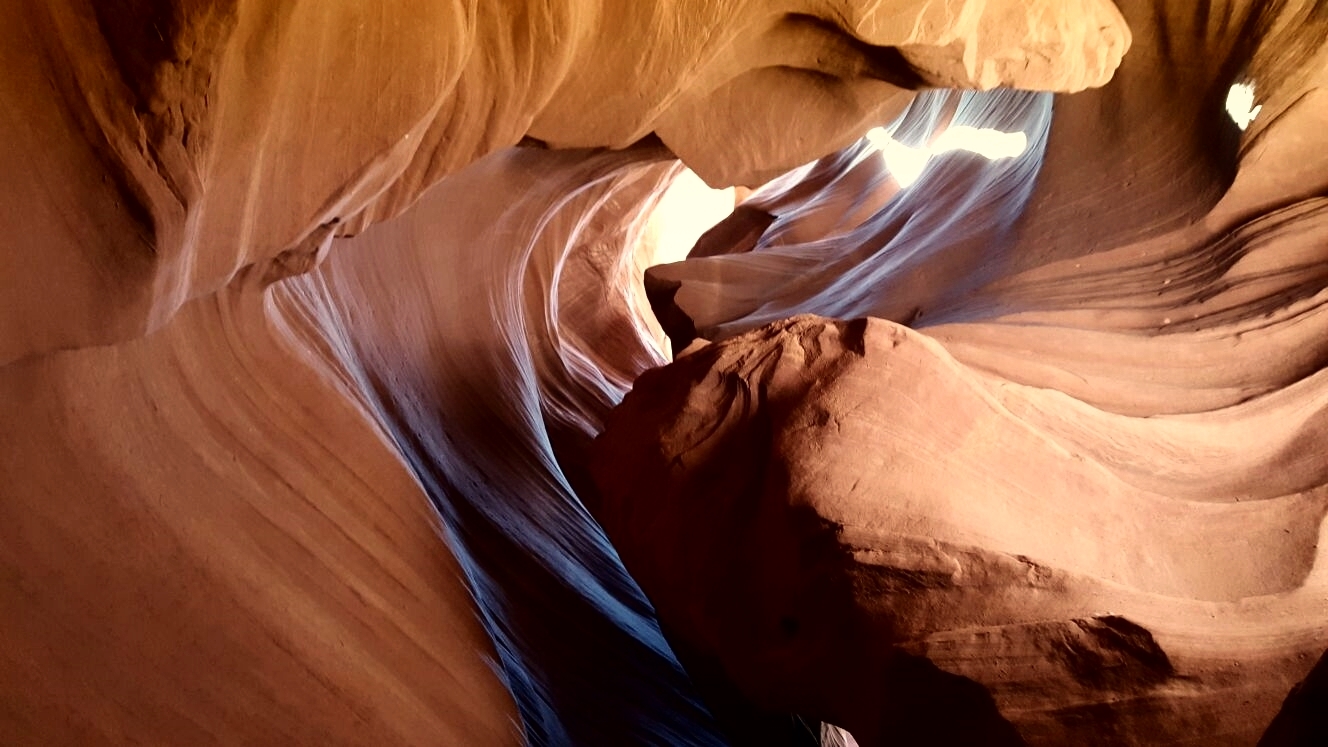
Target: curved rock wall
835,509
300,362
208,539
155,148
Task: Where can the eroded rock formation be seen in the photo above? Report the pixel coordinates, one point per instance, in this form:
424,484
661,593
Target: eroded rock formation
301,361
154,149
840,512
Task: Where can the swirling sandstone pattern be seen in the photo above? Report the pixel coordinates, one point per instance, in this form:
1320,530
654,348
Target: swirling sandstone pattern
839,512
153,149
300,360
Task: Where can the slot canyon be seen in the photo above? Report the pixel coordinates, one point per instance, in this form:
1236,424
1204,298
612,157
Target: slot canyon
664,372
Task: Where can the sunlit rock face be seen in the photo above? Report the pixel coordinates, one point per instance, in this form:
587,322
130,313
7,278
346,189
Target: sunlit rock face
846,518
155,149
302,365
1131,335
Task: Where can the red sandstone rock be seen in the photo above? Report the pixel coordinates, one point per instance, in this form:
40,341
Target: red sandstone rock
225,458
861,529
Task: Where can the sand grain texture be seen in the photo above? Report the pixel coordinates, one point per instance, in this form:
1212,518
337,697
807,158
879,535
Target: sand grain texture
302,361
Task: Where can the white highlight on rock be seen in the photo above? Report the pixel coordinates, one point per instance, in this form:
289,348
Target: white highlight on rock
907,164
686,210
1240,104
834,736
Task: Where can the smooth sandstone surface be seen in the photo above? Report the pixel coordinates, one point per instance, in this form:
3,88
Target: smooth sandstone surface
208,540
301,363
155,149
833,509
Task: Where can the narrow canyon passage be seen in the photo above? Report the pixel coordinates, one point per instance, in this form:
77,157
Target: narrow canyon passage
608,373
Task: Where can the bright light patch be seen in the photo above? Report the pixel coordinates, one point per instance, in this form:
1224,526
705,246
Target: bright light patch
1240,104
688,208
907,164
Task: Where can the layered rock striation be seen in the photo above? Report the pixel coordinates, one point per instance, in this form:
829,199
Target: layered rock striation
301,362
859,528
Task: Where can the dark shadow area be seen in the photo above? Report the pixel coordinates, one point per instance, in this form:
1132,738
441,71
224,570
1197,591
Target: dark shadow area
1303,720
676,323
742,721
922,705
555,645
737,234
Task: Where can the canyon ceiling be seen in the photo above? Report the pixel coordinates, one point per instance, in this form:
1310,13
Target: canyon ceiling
587,372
